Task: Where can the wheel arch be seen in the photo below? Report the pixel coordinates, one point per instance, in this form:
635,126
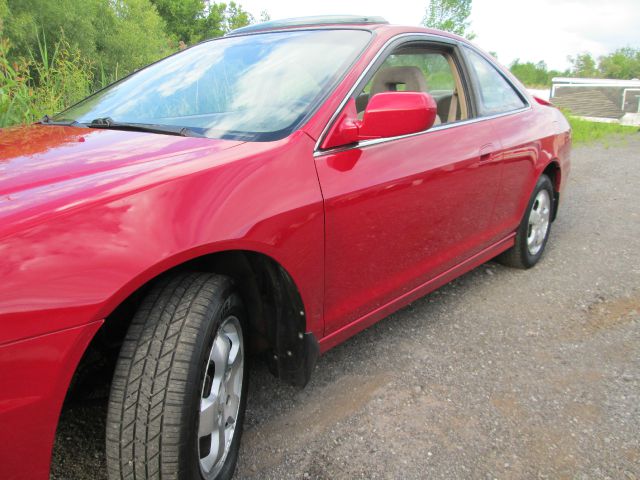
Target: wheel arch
554,172
278,327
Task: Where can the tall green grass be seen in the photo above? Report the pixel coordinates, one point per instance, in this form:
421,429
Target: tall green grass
50,80
15,93
61,76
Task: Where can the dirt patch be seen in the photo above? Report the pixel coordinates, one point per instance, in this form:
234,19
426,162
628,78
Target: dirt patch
613,312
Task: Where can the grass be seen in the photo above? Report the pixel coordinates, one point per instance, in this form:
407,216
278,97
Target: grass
585,131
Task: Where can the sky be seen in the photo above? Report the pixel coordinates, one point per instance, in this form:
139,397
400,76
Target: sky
531,30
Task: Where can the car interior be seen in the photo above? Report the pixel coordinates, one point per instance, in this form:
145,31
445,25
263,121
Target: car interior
418,69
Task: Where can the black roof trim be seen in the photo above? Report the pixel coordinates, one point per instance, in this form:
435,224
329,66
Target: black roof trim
310,21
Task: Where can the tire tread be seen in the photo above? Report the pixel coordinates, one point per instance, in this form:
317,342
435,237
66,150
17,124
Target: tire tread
153,377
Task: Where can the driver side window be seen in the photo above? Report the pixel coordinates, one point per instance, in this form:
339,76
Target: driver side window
419,69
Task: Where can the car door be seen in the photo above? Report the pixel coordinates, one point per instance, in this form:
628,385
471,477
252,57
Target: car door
400,211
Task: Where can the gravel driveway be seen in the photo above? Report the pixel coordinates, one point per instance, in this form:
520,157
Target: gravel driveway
500,374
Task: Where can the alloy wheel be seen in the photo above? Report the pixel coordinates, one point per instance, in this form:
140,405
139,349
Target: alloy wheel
220,400
539,219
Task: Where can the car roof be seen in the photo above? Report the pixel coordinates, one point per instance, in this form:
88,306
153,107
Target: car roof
310,22
372,23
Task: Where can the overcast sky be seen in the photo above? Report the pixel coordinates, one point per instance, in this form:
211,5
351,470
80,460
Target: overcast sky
534,30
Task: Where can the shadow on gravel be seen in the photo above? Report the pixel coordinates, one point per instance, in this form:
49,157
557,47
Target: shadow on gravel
79,450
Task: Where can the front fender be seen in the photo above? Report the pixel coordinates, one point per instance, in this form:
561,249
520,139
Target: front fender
35,374
75,266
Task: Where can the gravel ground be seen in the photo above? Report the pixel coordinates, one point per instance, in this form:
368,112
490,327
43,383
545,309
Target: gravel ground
500,374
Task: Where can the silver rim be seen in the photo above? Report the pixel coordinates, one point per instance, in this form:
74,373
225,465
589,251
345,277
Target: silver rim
538,222
220,399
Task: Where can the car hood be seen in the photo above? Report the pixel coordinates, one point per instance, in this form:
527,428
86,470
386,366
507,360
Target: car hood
42,163
36,155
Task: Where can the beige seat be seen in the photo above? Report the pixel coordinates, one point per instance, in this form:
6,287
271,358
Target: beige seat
388,79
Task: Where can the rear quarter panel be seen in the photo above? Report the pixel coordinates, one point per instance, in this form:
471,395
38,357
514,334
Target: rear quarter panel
531,140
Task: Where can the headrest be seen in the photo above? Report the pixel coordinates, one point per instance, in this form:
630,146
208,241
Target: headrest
388,78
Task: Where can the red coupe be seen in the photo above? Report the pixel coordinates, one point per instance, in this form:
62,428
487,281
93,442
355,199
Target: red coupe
271,192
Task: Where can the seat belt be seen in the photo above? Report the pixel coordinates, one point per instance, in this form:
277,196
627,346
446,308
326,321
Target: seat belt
453,107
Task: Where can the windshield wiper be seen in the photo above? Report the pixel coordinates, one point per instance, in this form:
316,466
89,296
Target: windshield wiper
108,122
47,120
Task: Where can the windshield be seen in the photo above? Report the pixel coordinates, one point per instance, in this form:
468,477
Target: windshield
255,87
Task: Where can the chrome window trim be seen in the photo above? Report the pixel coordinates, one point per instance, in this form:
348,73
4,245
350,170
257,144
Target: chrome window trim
364,74
437,128
524,96
317,152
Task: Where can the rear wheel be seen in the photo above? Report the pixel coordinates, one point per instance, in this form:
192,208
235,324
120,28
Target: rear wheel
534,229
179,390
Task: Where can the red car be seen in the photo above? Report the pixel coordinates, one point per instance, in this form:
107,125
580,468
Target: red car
271,192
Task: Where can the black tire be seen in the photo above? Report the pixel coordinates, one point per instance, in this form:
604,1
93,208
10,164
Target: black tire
519,255
154,405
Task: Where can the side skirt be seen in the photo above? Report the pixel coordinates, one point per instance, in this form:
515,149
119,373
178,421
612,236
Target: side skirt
369,319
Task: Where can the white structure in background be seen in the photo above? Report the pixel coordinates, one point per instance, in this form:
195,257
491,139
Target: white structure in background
599,99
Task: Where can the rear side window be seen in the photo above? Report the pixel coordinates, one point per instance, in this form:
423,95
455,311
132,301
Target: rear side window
496,94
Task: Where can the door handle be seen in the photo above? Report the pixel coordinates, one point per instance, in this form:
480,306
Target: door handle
487,152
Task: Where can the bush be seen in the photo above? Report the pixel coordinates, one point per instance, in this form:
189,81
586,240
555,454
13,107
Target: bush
53,53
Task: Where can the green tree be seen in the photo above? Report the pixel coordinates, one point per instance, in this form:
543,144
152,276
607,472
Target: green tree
624,64
117,35
4,13
534,74
30,18
236,17
184,18
529,73
222,18
449,15
192,21
264,16
136,36
583,65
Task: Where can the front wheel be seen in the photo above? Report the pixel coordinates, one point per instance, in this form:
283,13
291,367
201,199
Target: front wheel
179,391
534,229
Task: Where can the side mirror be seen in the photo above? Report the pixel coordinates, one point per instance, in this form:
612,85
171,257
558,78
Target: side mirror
388,114
391,114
